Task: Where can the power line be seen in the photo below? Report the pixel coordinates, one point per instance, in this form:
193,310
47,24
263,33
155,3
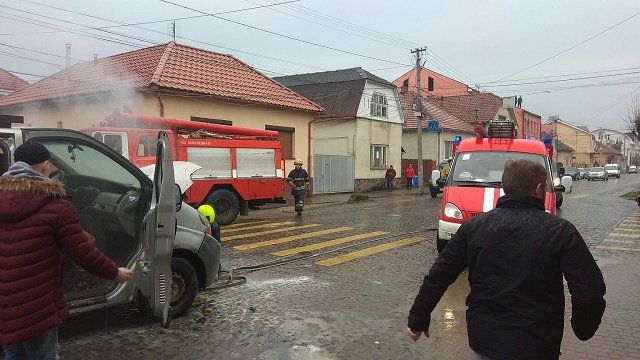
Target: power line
572,47
37,52
122,24
4,53
563,75
193,40
284,35
564,80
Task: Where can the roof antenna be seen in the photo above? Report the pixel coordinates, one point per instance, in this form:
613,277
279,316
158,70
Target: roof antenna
68,56
173,30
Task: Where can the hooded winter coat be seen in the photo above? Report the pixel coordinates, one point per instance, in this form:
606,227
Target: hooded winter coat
36,228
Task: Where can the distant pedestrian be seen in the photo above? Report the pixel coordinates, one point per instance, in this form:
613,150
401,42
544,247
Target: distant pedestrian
520,102
409,173
37,226
517,255
389,176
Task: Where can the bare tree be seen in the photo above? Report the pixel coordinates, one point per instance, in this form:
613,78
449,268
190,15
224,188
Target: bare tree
633,116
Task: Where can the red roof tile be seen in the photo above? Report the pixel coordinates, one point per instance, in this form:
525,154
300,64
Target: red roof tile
171,67
464,106
433,111
8,81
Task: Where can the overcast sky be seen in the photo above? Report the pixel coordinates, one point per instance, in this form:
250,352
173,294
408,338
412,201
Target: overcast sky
476,42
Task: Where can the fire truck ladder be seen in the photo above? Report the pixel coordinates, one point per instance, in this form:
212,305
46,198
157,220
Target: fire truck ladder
502,129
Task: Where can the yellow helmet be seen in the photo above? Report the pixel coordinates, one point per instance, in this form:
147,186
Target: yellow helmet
208,212
297,162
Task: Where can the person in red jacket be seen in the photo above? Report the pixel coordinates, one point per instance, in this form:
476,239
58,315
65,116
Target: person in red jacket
38,227
409,173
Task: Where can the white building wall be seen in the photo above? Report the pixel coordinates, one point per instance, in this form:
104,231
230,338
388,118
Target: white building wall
394,114
370,133
611,137
429,144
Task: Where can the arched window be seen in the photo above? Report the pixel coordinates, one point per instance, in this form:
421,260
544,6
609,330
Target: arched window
379,105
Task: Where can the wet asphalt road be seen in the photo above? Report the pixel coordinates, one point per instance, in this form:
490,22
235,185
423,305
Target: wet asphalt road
331,307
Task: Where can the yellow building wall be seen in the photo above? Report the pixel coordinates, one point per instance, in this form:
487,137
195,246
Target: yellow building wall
80,112
580,141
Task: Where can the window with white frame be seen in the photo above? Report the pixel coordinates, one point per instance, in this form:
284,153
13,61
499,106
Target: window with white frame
448,149
379,105
379,156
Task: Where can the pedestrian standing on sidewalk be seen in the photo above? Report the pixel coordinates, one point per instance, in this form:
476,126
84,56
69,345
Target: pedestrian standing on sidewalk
37,226
517,255
389,176
409,173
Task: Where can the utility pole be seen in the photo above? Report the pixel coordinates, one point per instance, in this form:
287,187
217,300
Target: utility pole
555,138
418,52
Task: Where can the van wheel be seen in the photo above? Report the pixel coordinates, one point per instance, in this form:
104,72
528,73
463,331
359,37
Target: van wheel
226,205
184,285
433,191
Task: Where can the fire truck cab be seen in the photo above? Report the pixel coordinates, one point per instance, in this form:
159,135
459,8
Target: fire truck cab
474,182
239,167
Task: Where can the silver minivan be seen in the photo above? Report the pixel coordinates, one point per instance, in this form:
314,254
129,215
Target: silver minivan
132,217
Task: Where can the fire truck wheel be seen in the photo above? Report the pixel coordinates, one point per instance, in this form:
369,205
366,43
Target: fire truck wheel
226,205
184,285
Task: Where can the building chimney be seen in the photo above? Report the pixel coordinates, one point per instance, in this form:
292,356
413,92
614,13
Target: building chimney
95,58
68,56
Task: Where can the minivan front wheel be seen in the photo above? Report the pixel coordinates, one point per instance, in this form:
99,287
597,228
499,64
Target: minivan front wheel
184,285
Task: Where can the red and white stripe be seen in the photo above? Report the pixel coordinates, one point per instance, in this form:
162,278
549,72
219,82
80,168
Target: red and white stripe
491,196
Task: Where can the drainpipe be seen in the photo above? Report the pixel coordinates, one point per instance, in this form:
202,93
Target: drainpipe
160,106
309,153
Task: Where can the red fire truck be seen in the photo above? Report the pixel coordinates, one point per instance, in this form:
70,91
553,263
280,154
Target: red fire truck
473,185
240,167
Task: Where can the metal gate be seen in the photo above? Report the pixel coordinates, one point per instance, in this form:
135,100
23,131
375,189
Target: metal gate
333,174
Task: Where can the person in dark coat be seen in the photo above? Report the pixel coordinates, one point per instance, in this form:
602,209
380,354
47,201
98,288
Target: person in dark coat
38,227
389,176
517,255
409,174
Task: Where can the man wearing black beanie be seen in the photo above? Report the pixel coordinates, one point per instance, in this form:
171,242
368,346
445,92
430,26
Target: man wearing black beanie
37,226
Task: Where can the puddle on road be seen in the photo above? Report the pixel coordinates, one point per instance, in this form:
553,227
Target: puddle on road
449,316
298,352
280,282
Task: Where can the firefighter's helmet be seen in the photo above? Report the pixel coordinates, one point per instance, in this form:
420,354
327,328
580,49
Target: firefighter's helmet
208,212
297,162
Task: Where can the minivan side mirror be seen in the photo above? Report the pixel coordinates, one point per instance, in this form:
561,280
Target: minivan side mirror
178,197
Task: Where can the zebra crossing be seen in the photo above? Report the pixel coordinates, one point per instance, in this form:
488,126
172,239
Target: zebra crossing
312,238
625,238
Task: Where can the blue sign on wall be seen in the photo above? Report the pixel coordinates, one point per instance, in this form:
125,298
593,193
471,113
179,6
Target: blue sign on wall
433,126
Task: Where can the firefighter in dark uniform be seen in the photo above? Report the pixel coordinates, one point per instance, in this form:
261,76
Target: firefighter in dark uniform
298,177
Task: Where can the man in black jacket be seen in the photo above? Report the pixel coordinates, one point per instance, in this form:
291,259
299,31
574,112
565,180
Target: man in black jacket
517,255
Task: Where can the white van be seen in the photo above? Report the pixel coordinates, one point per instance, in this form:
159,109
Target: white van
613,170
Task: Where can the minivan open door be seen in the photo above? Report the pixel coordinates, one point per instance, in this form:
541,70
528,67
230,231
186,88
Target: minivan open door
161,225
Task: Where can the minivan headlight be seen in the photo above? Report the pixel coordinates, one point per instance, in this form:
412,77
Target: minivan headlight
452,211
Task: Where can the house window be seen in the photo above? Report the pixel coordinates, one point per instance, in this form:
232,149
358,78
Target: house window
379,105
430,82
379,156
212,121
285,136
448,149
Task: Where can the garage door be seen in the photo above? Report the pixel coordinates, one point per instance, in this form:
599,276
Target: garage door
333,174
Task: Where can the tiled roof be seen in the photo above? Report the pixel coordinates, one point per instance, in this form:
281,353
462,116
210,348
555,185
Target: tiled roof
168,67
8,81
464,106
433,111
326,77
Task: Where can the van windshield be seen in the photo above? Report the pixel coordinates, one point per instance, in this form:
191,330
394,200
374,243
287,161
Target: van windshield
486,167
611,167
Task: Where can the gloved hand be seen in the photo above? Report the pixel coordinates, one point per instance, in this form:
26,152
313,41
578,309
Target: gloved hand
124,275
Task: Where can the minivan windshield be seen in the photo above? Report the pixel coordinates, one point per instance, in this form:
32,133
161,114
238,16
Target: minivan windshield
486,167
611,167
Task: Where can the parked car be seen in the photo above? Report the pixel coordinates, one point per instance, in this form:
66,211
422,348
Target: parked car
115,200
633,169
613,170
582,172
573,172
597,173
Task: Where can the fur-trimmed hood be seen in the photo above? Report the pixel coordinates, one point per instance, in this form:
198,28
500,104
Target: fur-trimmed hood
20,198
